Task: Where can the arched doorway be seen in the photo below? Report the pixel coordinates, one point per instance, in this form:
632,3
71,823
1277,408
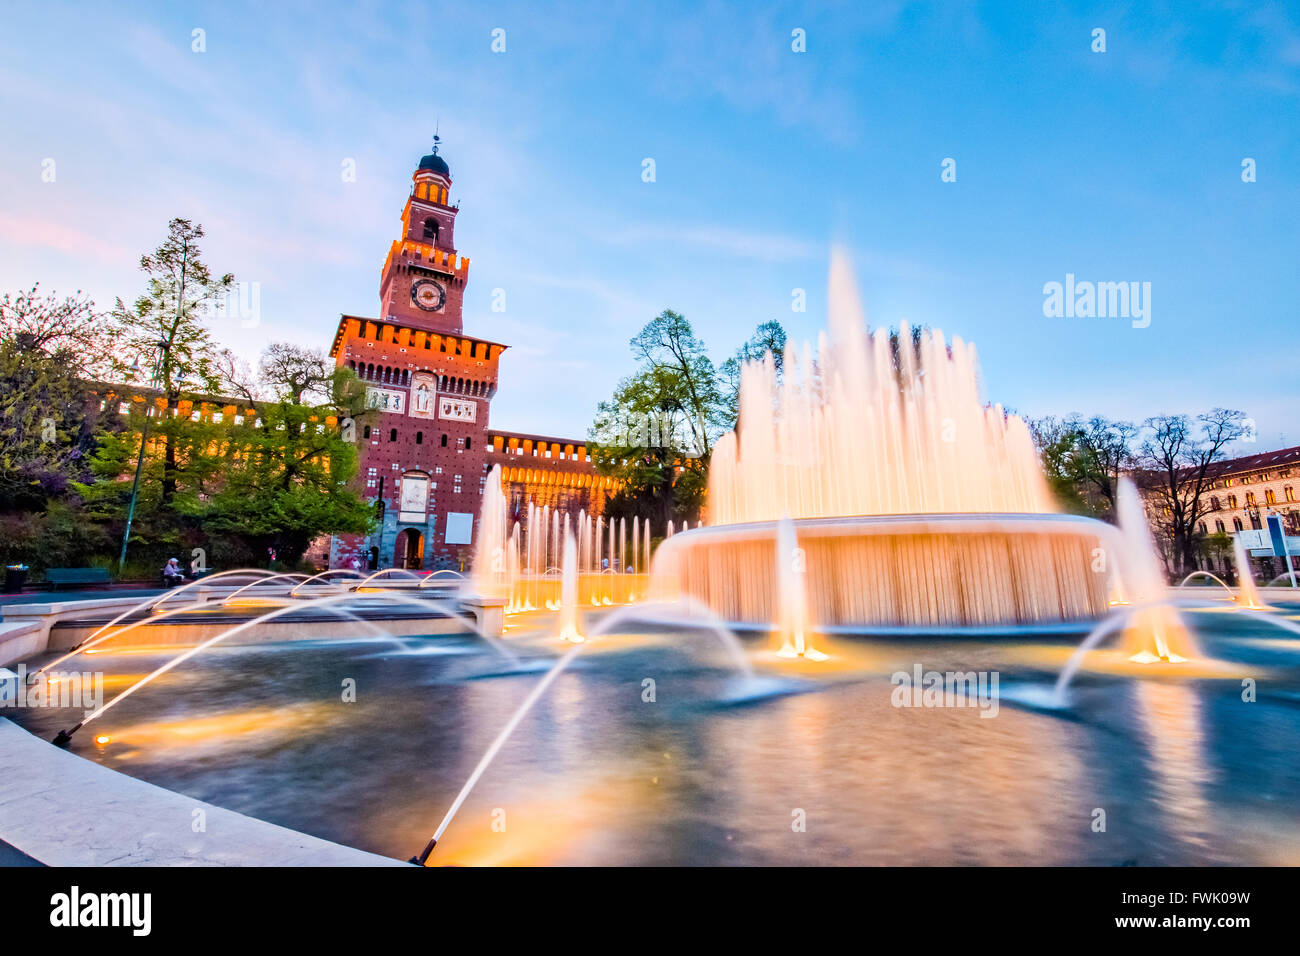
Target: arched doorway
410,550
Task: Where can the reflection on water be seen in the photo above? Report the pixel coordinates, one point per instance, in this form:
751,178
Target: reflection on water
1170,715
602,773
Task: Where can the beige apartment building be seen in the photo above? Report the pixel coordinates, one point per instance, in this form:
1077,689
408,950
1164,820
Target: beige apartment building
1243,493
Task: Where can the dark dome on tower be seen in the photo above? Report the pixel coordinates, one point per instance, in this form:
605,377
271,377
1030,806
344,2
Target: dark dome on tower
436,163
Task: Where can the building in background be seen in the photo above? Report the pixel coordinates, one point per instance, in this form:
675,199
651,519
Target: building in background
1243,492
427,449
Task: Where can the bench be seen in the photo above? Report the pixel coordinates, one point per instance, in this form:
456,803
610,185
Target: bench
57,576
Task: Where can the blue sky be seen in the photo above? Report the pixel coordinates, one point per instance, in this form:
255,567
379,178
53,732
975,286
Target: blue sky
1115,166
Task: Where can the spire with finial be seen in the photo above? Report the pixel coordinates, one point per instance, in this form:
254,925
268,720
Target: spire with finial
433,162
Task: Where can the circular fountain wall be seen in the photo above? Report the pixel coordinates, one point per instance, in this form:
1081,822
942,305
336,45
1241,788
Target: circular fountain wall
882,573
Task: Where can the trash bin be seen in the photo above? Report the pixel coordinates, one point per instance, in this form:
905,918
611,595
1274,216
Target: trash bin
15,578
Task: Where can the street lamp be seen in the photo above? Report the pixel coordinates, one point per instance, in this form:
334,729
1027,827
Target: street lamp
163,346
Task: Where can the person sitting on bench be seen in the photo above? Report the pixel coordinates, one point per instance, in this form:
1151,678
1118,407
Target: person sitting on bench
172,573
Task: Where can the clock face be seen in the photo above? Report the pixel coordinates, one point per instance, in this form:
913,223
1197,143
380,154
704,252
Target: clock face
428,295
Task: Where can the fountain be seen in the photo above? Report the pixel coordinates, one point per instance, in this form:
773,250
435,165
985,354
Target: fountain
918,507
1155,630
489,576
567,622
792,624
1249,596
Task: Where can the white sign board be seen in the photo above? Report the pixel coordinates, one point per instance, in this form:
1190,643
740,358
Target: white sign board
460,527
1258,543
415,497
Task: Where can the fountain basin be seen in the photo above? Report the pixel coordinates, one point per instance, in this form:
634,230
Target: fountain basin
977,573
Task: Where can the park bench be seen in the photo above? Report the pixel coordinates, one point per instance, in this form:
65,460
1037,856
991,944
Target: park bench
57,576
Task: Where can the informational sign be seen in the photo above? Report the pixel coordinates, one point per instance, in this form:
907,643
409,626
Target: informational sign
1277,535
424,398
1281,547
460,527
414,502
1259,543
385,399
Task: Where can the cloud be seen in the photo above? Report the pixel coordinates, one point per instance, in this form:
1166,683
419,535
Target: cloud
26,232
743,244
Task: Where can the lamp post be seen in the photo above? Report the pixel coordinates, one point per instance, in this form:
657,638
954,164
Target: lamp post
163,346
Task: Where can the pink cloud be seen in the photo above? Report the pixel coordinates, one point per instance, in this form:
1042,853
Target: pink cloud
58,236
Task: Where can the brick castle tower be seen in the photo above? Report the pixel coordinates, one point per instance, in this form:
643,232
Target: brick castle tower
426,449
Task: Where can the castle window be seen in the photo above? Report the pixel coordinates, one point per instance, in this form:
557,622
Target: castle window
366,432
419,438
431,230
1236,524
1289,492
392,434
468,442
444,441
1218,526
1269,497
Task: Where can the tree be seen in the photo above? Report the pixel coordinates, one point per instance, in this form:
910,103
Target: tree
1083,461
1177,467
657,431
47,420
289,472
1105,452
668,347
1057,442
70,327
768,338
166,329
295,372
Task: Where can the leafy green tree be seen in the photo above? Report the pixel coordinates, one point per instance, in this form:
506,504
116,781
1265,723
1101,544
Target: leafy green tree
163,339
186,452
657,431
1083,460
289,474
769,337
684,376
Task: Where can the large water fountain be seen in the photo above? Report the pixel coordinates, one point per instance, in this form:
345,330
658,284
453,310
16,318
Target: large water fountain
871,489
916,505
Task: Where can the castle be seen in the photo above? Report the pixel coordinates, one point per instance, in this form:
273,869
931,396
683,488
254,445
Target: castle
427,448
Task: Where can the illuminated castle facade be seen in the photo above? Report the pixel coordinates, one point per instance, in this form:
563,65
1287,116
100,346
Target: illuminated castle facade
427,447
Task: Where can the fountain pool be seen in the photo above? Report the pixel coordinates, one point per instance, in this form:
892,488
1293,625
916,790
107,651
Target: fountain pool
597,774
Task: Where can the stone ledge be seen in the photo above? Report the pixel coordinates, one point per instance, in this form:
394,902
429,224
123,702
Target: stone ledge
65,811
20,640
